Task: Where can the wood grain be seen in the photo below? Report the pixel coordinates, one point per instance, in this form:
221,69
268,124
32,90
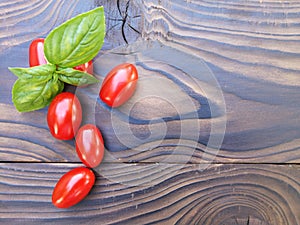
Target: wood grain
24,137
123,21
261,125
221,194
203,64
21,21
198,114
252,48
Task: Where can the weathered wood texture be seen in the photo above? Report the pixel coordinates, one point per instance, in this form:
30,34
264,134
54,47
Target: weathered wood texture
221,194
170,159
252,48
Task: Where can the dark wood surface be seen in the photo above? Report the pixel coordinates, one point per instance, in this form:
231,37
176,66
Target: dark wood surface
211,136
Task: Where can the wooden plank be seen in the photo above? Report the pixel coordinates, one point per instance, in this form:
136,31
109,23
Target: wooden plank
221,194
262,112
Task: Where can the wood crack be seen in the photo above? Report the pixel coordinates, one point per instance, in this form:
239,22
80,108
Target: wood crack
125,20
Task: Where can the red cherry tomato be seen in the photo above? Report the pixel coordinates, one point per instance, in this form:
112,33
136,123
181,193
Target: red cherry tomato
37,57
119,85
72,187
36,53
89,145
86,67
64,116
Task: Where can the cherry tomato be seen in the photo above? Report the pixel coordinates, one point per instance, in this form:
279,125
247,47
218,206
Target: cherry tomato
64,116
72,187
37,57
89,145
119,85
86,67
36,53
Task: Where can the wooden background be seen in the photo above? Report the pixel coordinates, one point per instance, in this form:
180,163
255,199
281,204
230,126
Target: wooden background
252,49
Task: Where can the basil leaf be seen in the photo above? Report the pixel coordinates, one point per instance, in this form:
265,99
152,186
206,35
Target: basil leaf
76,41
35,74
28,96
75,77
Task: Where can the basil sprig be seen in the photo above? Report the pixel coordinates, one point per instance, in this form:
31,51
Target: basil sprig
74,42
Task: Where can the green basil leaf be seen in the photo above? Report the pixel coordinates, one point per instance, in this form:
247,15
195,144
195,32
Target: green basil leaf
75,77
76,41
35,74
28,96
